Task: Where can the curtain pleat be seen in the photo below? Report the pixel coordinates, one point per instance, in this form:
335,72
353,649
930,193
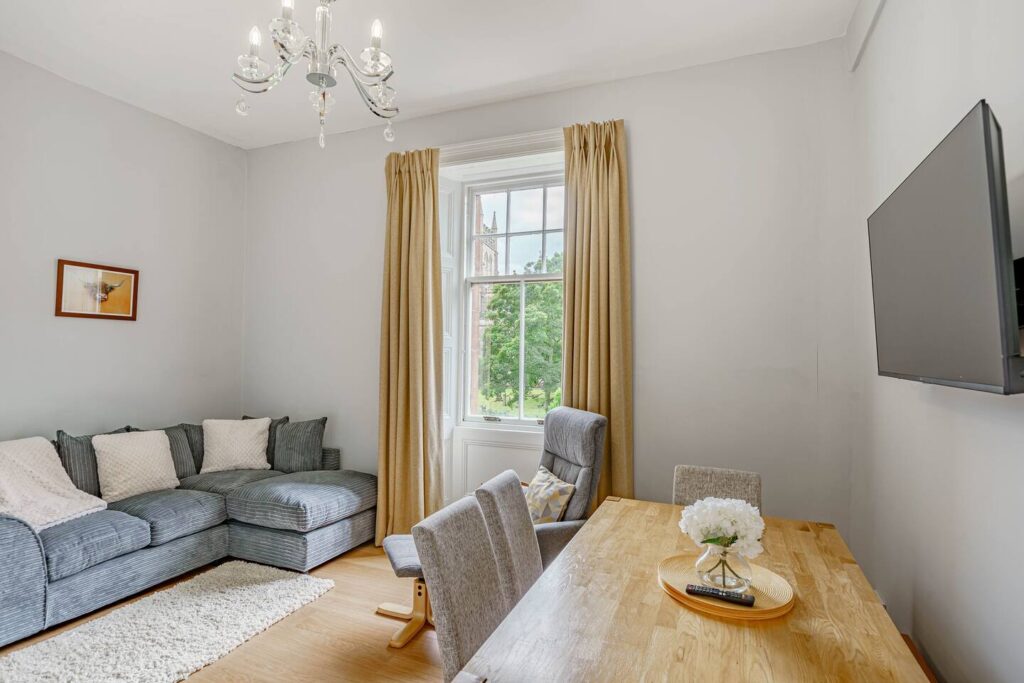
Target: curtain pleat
598,334
409,485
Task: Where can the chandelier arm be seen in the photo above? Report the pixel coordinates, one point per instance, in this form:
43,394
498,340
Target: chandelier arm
382,112
339,55
261,85
308,47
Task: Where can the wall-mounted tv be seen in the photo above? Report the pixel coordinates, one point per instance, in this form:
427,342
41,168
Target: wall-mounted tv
942,271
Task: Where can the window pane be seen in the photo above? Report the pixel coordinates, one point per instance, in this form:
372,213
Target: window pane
553,256
525,254
494,350
489,211
488,255
556,208
543,348
527,208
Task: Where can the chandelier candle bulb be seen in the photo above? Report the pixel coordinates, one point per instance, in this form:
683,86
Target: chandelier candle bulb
287,6
255,39
376,34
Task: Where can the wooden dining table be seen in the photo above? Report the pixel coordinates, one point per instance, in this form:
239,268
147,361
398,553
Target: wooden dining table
598,613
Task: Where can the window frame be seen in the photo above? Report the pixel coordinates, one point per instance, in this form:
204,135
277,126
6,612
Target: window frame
507,183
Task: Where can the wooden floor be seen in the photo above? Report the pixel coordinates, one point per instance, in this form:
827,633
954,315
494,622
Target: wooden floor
335,638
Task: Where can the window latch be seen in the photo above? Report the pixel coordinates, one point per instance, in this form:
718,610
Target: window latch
491,418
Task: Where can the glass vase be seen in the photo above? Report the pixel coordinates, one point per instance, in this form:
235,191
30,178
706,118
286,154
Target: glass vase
719,567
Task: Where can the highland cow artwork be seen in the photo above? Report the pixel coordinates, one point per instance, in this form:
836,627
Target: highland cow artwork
88,290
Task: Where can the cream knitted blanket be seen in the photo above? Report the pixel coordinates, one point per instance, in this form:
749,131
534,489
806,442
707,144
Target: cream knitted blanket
35,488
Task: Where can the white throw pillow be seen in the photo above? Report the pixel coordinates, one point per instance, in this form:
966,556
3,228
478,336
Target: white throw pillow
132,463
235,445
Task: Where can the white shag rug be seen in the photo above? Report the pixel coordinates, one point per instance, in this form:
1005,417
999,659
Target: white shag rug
166,636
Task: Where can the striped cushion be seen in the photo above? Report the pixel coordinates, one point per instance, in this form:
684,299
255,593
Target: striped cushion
175,513
86,541
181,451
304,500
331,459
300,446
79,459
274,424
194,433
225,482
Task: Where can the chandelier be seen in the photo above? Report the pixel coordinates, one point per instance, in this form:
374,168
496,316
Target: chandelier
370,75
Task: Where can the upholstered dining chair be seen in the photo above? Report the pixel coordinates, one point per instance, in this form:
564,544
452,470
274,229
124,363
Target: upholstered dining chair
462,577
513,539
573,450
691,483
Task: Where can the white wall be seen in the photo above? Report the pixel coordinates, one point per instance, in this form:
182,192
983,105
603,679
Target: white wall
88,178
938,473
739,172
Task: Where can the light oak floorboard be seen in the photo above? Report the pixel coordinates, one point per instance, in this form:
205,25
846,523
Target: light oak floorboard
337,637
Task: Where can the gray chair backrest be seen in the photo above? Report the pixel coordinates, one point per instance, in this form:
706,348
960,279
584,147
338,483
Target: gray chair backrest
462,580
573,450
513,539
691,483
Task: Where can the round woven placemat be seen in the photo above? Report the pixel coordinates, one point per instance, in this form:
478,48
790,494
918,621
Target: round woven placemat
773,596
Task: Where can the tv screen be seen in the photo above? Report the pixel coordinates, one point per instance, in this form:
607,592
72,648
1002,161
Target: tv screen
942,269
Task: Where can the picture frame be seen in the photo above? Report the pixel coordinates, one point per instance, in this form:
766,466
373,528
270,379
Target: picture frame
92,290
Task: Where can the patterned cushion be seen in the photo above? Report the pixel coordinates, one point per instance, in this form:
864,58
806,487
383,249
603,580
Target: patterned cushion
181,451
84,542
133,463
300,446
235,444
79,459
176,513
194,433
304,500
225,482
272,440
547,497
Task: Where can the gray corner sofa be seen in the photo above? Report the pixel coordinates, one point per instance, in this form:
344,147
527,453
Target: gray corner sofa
290,520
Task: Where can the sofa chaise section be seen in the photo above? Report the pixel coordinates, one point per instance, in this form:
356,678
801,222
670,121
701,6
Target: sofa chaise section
301,520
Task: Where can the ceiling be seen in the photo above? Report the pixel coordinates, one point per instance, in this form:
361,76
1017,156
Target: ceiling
174,57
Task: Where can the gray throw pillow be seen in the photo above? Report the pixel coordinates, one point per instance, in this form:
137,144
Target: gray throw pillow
300,446
181,451
79,459
272,438
194,433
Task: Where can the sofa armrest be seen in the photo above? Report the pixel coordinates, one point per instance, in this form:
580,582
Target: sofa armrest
554,536
332,459
22,581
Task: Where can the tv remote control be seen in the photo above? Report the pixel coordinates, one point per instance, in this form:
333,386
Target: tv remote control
707,592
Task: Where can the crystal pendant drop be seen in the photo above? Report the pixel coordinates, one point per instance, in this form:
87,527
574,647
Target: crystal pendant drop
323,141
389,133
242,106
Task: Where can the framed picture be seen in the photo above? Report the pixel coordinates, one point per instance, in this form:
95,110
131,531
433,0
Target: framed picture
89,290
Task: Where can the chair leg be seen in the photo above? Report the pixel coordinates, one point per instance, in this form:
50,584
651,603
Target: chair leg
417,615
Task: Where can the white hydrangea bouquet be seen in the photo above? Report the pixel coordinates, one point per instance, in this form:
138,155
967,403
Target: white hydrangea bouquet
730,531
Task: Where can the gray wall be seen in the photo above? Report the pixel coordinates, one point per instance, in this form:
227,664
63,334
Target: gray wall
938,473
739,174
85,177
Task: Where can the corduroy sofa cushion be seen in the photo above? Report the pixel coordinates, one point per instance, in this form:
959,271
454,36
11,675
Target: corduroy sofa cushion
86,541
304,500
175,513
79,459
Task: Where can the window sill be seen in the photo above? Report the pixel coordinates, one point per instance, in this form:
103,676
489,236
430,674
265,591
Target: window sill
484,426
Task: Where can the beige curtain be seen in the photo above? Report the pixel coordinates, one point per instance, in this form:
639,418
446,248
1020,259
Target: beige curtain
598,374
409,440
